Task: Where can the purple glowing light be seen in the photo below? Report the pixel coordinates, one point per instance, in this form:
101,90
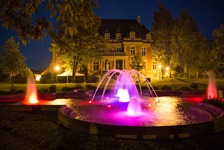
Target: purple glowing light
124,90
123,95
134,107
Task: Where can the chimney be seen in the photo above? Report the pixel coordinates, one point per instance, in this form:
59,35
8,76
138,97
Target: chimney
139,19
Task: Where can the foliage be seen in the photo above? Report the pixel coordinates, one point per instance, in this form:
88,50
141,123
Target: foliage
72,25
218,50
179,44
52,89
184,88
194,86
12,61
166,87
78,86
90,87
162,34
67,89
186,40
47,78
137,62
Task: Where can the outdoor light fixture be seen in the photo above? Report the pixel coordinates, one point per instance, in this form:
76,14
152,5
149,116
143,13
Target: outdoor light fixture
57,68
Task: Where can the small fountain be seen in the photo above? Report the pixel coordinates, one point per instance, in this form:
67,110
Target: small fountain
212,91
31,92
31,102
122,108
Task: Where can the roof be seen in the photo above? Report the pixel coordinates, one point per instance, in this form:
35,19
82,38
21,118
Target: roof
123,26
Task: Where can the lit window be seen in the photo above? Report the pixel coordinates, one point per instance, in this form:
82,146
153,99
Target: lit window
107,36
118,49
132,35
118,37
148,37
143,51
154,65
132,50
96,66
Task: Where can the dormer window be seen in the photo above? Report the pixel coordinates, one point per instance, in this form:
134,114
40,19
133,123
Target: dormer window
132,35
148,37
118,36
107,36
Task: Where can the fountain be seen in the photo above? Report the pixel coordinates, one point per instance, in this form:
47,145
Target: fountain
31,92
120,107
124,92
212,91
32,102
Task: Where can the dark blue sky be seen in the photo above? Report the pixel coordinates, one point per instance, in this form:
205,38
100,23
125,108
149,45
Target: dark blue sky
208,14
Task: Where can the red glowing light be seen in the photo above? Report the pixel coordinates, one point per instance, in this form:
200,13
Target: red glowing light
31,93
149,105
90,102
109,106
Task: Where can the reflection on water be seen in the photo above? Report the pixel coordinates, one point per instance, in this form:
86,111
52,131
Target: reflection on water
169,111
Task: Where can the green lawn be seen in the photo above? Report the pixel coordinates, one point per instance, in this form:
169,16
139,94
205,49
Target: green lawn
174,83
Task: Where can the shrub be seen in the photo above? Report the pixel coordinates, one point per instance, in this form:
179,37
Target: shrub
92,79
185,88
78,86
90,87
43,90
166,87
52,88
67,89
194,86
15,91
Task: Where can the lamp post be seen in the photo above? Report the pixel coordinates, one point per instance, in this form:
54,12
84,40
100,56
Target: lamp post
160,72
57,68
167,71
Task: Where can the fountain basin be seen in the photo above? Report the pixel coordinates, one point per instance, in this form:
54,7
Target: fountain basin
42,105
100,120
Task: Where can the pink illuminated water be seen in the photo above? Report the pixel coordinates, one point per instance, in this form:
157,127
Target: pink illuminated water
134,107
121,88
123,95
212,91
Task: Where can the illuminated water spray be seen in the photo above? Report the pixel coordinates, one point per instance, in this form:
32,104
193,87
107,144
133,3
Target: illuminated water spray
122,87
212,91
31,92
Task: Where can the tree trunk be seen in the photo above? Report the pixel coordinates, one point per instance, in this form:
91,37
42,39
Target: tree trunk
75,65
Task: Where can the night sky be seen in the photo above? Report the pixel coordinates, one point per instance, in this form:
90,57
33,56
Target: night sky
208,14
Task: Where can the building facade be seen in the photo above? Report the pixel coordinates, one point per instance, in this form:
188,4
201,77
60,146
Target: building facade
125,38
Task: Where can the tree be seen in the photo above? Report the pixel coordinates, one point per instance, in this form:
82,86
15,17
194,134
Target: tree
12,61
162,34
218,49
136,62
70,23
187,43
